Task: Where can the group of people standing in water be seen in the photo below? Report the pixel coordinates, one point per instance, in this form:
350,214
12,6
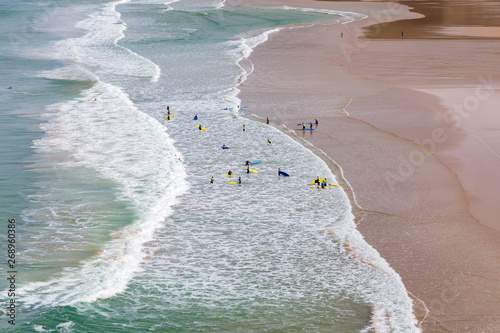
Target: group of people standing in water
230,173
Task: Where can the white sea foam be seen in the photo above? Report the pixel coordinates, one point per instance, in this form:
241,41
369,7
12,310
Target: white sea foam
98,50
99,135
346,17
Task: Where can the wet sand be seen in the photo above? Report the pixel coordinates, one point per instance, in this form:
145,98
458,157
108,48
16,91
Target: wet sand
383,118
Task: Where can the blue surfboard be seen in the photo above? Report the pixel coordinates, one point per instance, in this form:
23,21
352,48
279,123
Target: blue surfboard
283,173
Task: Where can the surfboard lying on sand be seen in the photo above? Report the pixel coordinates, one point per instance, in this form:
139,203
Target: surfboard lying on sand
203,128
230,175
233,182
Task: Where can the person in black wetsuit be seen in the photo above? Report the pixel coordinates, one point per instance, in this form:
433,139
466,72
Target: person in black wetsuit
248,169
212,180
230,173
239,180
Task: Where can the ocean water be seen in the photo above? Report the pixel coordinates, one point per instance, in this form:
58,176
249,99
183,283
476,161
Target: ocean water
118,227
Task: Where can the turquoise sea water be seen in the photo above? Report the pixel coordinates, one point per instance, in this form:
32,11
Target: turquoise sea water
118,227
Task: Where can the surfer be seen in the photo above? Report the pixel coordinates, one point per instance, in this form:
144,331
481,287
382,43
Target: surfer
229,173
10,87
323,184
247,163
200,127
267,120
223,145
239,180
268,141
196,117
168,116
248,169
243,128
317,180
316,122
310,125
303,126
279,172
168,109
212,180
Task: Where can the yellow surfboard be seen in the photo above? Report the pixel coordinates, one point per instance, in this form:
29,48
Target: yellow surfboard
316,181
203,128
233,182
230,175
335,185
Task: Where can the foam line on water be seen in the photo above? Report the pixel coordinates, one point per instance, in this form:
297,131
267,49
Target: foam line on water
98,50
98,134
347,17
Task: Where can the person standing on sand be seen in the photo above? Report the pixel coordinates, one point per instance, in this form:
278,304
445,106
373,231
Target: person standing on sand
402,34
243,128
303,126
267,120
310,125
316,121
212,180
239,180
341,35
248,169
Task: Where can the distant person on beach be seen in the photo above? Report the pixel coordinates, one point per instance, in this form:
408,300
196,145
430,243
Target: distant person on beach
303,126
268,141
229,173
200,127
212,180
311,125
267,120
279,172
323,184
248,169
10,87
243,128
341,35
168,108
247,163
316,121
239,180
196,117
402,34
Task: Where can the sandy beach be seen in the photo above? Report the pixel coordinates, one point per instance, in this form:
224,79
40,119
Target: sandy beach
411,124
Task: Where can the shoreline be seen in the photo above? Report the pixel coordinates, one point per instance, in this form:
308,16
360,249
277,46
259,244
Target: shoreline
426,234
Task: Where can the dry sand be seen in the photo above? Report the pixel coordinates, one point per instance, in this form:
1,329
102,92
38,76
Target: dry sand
375,100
